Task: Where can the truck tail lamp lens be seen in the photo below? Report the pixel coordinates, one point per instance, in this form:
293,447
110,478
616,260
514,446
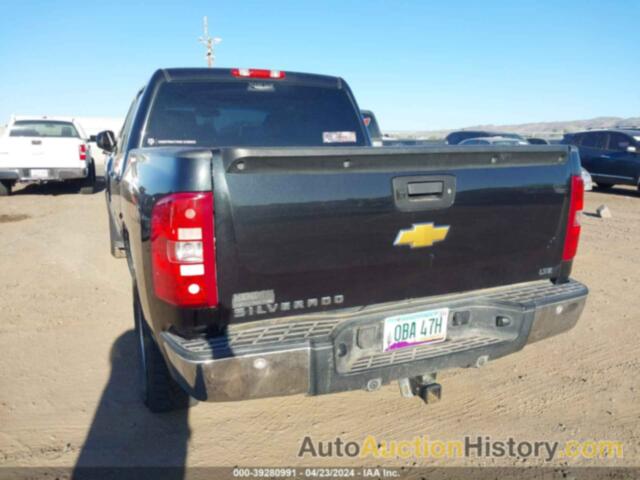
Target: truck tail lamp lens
257,73
82,151
576,204
183,250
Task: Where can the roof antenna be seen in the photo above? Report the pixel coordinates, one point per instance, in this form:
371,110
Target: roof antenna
210,43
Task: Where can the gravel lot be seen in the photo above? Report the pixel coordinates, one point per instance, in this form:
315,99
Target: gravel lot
68,371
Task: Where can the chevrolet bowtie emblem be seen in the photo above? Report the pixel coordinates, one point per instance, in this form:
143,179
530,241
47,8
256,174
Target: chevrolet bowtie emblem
421,235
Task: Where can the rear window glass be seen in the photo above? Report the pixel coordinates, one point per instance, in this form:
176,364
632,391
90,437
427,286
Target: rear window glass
455,138
43,128
509,142
618,141
246,113
511,135
594,140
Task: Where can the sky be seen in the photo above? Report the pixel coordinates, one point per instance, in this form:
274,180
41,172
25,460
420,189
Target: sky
420,65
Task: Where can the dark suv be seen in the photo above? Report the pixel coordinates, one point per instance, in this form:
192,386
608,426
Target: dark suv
611,156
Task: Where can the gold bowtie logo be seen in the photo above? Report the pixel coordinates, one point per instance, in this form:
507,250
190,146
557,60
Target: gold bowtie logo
421,235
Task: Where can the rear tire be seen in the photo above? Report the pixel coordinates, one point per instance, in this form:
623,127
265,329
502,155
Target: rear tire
5,188
604,186
89,184
160,392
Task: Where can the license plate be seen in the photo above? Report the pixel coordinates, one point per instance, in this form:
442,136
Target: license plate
39,173
413,329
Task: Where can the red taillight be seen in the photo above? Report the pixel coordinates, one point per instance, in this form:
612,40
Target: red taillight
83,151
183,251
257,73
576,204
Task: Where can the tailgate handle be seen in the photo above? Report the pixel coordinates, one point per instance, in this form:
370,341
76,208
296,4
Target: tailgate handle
421,189
425,192
36,142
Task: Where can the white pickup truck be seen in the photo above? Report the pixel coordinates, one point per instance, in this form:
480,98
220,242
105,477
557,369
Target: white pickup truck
45,149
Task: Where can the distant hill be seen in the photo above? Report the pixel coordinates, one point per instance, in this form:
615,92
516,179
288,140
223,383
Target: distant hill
539,129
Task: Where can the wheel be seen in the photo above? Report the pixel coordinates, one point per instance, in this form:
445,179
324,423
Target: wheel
5,188
88,185
604,186
160,392
116,246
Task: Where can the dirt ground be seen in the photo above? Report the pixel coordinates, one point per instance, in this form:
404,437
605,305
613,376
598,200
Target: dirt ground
68,388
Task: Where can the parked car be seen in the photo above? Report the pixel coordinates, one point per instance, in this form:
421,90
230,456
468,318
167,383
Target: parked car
612,157
457,137
498,140
537,141
45,149
272,251
392,141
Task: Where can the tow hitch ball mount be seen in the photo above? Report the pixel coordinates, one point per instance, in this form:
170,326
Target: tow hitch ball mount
424,386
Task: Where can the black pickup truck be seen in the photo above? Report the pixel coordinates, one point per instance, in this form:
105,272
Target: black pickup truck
273,251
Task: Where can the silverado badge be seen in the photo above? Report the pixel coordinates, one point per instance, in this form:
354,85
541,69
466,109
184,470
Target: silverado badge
421,235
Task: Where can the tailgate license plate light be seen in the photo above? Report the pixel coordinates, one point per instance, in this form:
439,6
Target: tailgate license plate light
418,328
39,173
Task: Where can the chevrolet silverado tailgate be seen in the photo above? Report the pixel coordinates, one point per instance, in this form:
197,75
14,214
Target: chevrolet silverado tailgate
300,230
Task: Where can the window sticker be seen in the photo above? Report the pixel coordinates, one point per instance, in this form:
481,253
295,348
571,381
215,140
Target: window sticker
179,142
338,137
261,87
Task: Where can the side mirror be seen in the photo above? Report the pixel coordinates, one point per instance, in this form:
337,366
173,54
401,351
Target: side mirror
92,139
632,149
106,141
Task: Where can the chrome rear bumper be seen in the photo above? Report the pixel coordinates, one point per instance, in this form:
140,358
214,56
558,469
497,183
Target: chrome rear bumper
319,354
53,174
